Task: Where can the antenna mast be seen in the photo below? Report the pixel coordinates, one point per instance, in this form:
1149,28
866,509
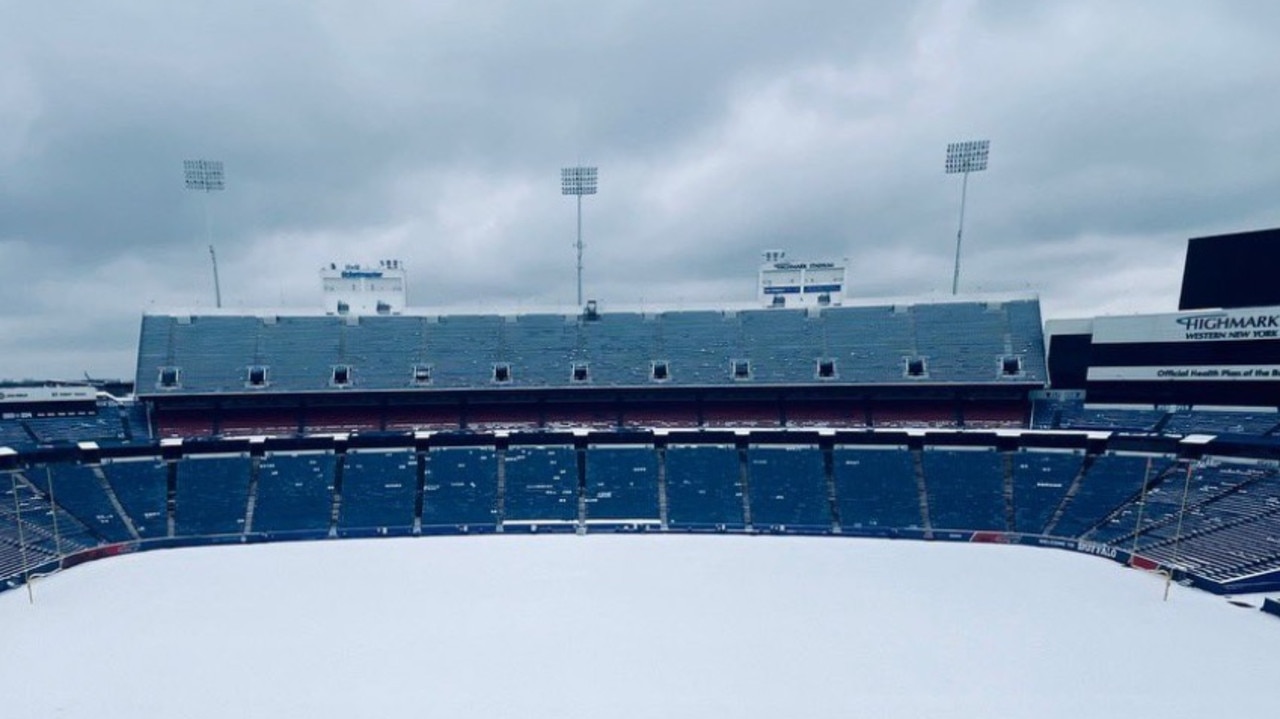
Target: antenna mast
217,288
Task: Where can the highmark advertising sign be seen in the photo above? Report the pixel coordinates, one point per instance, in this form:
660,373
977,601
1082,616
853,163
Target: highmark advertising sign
1269,373
1203,326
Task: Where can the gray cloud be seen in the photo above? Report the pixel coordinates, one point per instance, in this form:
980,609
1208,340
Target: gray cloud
434,133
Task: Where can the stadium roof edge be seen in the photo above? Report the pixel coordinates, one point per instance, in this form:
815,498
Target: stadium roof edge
605,308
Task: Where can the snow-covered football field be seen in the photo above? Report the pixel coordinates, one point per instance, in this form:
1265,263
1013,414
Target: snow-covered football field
626,626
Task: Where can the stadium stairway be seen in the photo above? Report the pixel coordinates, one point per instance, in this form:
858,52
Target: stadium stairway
335,510
251,505
1074,489
922,489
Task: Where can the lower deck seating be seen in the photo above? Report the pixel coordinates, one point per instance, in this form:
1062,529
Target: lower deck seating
1110,482
541,485
460,489
788,488
875,488
33,531
966,489
1040,482
212,495
1221,520
295,492
704,487
378,491
622,484
142,487
78,489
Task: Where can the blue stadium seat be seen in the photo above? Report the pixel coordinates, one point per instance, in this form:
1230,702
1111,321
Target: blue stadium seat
28,522
876,489
295,493
622,485
966,489
142,488
1040,482
788,488
212,495
1110,481
541,486
460,490
378,492
704,487
77,489
958,341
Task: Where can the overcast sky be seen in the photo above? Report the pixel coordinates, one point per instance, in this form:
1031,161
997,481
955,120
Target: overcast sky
433,133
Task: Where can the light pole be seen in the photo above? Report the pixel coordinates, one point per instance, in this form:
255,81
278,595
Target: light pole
965,157
578,181
206,176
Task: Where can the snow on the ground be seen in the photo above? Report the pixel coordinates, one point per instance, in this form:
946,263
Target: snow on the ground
626,626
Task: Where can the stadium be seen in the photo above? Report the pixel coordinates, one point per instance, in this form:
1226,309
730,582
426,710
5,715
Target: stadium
1145,441
803,413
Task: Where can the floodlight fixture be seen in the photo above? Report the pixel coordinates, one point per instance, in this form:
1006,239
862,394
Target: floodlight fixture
206,176
963,158
578,181
967,156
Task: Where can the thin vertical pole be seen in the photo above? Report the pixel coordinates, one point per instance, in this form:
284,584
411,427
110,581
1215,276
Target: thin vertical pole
208,238
22,539
217,287
1177,535
1142,502
53,504
579,250
955,276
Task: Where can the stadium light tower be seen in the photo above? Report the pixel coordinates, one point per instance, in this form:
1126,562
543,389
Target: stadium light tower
965,157
578,181
206,176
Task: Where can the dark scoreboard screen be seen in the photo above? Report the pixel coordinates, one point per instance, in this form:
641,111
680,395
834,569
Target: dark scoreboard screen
1229,271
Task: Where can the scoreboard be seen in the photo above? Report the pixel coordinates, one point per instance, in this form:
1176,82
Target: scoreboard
1198,357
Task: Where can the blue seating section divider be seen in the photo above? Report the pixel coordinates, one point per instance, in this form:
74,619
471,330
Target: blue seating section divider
212,495
622,484
876,488
295,492
1040,482
45,532
966,489
541,485
1112,480
77,489
788,489
142,487
460,490
704,487
378,489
